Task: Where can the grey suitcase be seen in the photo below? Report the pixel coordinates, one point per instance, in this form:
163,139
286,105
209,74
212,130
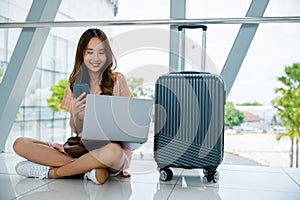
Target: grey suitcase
189,123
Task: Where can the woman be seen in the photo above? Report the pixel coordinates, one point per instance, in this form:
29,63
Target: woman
94,64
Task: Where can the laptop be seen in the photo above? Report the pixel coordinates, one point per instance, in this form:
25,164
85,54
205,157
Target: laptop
124,120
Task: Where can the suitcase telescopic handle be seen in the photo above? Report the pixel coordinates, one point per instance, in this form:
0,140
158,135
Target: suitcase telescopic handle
192,26
189,72
204,28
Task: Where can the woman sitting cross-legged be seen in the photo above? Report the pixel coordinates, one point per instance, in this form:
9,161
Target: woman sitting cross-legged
94,65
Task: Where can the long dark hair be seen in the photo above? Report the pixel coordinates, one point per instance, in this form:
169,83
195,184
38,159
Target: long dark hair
80,71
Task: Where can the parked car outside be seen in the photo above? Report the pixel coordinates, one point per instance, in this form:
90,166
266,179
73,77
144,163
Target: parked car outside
278,129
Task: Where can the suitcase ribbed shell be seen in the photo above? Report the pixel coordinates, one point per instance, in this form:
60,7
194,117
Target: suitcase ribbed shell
189,120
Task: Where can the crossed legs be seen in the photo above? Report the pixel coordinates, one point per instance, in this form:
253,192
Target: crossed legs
110,157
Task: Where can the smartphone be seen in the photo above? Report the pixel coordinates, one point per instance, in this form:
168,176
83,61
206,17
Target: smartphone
79,88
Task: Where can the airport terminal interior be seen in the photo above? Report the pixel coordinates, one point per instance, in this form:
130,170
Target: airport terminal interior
247,44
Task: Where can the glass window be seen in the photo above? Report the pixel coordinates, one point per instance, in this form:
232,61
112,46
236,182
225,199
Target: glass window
3,44
20,114
47,127
61,115
47,82
266,56
136,9
46,113
47,79
13,36
31,113
48,56
16,131
32,129
278,8
60,55
70,57
265,62
33,92
216,9
16,10
60,76
59,129
83,11
220,37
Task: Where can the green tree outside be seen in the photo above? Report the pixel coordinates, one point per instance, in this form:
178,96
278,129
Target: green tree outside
288,105
255,103
233,117
138,89
134,83
58,91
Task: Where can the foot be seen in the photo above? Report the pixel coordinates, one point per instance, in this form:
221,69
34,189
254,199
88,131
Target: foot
30,169
98,176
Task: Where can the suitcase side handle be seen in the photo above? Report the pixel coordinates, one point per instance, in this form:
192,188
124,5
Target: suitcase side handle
192,26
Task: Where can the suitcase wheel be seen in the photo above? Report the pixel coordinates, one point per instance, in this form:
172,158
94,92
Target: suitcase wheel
205,172
166,174
211,175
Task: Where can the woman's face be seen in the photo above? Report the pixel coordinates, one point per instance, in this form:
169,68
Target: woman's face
94,56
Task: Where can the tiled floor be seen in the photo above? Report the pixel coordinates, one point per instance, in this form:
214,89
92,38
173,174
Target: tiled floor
236,182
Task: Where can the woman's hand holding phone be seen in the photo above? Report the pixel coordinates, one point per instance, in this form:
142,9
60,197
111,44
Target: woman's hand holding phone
78,106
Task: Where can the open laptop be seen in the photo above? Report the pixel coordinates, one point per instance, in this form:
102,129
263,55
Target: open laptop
124,120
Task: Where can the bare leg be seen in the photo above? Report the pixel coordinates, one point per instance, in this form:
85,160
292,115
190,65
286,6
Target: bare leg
39,152
110,156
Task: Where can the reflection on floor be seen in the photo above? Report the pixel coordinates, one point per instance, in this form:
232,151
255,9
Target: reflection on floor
236,182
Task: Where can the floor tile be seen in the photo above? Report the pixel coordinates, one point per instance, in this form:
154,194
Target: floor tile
153,177
292,170
250,168
215,193
146,171
7,190
148,191
243,180
182,192
258,181
59,189
296,178
8,162
16,185
81,190
294,174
